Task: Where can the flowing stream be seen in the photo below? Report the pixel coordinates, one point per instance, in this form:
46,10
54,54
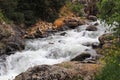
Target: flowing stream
51,50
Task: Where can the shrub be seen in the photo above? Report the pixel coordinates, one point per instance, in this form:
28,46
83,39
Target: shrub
29,11
111,70
109,10
75,7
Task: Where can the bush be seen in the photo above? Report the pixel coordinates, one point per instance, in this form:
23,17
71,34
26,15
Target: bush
111,70
29,11
3,18
110,12
17,17
75,7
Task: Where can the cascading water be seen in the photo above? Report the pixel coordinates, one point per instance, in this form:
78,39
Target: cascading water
51,50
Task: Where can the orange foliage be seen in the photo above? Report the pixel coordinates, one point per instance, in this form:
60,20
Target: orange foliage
59,22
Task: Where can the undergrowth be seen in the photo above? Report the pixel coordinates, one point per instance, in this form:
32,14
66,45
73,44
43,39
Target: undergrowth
111,70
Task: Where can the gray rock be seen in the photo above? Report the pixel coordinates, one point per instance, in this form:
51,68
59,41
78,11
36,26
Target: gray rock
81,57
91,28
91,17
11,39
95,45
45,72
73,22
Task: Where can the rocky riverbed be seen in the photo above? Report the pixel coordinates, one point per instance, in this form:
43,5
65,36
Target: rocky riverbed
67,45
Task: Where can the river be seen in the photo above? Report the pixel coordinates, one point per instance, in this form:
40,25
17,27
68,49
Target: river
51,50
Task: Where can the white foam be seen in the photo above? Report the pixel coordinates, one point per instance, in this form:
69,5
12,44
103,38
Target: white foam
51,50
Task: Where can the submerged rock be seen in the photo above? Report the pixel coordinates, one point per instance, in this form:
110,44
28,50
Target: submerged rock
63,34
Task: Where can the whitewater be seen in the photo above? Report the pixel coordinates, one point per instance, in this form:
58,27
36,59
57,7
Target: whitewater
51,50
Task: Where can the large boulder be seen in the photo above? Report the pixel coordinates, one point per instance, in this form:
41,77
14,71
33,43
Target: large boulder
63,71
10,39
81,57
91,28
45,72
73,22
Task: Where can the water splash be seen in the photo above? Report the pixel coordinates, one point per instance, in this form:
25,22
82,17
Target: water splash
51,50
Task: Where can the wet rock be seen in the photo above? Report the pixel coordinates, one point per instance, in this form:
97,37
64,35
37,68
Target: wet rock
95,45
87,44
73,22
96,24
91,17
91,28
63,34
45,72
81,57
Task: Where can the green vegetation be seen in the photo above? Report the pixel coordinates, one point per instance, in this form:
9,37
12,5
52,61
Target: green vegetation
110,12
75,7
3,18
111,70
29,11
